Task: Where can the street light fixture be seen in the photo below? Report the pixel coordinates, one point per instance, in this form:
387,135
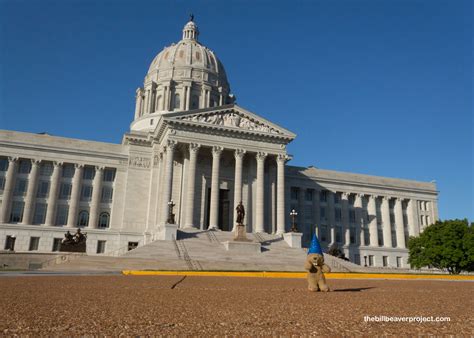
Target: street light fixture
293,215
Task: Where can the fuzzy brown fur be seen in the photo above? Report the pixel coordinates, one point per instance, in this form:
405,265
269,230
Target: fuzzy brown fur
316,268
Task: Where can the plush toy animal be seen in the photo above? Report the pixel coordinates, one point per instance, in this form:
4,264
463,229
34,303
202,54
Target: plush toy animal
316,267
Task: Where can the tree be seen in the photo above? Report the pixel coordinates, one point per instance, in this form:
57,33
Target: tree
446,245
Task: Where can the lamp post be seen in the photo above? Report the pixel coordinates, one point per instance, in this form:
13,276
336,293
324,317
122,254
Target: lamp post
170,213
293,215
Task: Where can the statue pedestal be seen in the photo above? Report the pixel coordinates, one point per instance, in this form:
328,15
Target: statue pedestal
293,239
168,232
242,248
240,234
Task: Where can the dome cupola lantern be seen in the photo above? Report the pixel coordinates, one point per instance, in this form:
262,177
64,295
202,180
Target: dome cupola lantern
190,30
183,76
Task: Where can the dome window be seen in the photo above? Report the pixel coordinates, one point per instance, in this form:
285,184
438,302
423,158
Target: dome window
198,56
177,101
195,102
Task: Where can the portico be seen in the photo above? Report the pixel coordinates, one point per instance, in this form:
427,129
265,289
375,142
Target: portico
208,152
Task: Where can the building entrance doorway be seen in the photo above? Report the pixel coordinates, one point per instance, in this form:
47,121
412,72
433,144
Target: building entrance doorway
225,210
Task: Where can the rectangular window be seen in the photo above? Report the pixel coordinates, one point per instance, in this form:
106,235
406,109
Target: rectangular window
68,170
399,262
351,199
2,184
324,233
88,173
107,193
308,213
394,239
357,259
40,213
294,193
10,242
380,237
338,234
24,167
21,186
309,195
100,247
352,216
109,175
352,233
16,215
46,169
61,214
338,214
366,237
391,203
34,243
43,189
322,213
323,196
65,191
371,260
385,261
86,193
337,197
3,164
56,244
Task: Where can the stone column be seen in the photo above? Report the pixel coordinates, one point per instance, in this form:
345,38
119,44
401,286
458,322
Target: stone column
345,218
214,208
260,203
168,179
371,209
359,219
239,156
138,103
75,195
412,219
96,196
30,197
399,226
147,102
331,216
193,152
53,194
281,159
8,189
188,97
386,226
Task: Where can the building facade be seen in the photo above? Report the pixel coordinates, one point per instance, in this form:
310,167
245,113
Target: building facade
190,143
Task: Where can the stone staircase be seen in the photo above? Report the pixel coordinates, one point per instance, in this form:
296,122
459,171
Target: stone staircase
197,250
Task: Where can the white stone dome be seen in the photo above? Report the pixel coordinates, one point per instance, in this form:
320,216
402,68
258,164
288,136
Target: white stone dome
183,76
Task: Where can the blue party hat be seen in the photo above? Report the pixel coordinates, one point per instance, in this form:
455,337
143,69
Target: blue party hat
315,247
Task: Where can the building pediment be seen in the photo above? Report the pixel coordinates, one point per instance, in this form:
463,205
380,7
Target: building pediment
232,118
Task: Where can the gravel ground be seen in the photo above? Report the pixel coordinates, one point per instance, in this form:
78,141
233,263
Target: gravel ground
176,305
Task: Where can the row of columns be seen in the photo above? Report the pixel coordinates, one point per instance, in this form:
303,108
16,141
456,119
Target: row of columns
215,181
372,220
30,197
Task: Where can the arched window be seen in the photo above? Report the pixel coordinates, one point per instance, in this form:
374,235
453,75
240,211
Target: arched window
104,220
83,219
177,101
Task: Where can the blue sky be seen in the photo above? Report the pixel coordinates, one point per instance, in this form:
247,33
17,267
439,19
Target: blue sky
374,87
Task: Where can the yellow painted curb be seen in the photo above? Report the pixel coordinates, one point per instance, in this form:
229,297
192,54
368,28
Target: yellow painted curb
264,274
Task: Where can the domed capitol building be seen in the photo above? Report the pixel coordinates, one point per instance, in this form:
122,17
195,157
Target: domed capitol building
190,143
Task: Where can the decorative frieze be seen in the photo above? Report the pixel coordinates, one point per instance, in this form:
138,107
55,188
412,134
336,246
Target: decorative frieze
139,162
232,119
